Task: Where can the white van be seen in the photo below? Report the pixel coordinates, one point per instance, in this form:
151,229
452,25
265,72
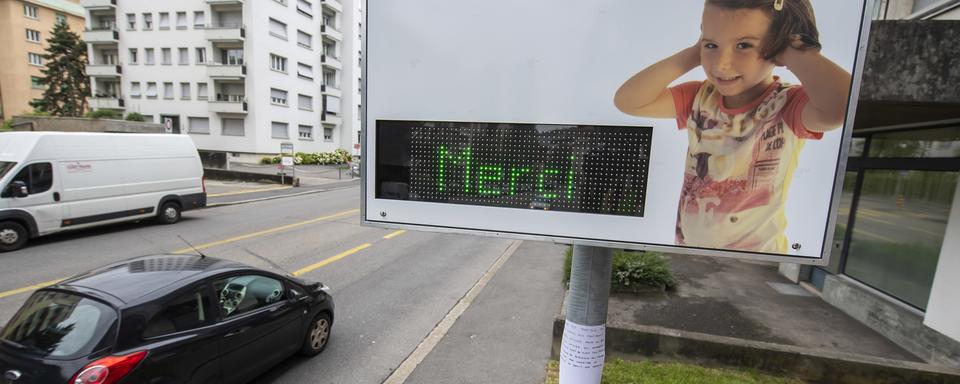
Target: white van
55,181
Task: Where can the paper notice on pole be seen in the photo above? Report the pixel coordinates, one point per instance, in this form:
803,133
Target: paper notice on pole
582,353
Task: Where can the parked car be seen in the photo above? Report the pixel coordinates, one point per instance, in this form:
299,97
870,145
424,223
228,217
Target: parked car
55,181
165,319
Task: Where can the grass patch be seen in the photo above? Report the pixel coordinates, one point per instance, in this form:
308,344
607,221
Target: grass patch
6,126
628,372
633,271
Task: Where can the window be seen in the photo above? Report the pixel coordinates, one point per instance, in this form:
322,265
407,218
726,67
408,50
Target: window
181,20
60,325
242,294
304,39
168,91
166,56
331,105
61,18
282,2
329,20
278,29
278,96
278,63
152,90
30,11
147,21
305,71
199,125
327,134
133,56
131,21
35,59
279,130
330,49
305,102
199,20
36,83
232,127
33,36
330,79
164,20
38,177
184,56
185,91
306,132
135,89
183,313
201,56
304,7
148,58
202,91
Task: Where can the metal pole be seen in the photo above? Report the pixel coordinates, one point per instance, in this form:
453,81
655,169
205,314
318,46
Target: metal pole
582,349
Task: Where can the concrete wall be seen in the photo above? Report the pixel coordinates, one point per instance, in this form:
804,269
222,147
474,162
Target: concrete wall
73,124
913,61
943,311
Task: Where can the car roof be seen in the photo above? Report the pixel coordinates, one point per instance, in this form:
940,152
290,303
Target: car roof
134,278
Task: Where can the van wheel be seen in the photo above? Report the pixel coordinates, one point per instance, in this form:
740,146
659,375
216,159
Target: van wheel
13,236
169,213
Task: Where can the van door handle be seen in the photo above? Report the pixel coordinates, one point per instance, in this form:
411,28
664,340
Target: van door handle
56,196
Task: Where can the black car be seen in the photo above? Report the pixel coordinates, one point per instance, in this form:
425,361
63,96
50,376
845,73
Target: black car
164,319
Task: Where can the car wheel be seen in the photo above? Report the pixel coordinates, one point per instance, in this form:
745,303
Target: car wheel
318,335
169,213
13,236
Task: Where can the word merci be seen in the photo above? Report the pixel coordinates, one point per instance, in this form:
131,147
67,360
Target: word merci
500,179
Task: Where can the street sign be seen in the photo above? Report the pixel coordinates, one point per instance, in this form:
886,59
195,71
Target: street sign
286,147
535,140
286,161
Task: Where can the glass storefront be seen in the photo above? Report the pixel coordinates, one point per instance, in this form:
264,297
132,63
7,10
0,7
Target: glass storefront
894,209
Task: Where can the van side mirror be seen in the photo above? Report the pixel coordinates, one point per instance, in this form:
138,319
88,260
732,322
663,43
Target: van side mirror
19,189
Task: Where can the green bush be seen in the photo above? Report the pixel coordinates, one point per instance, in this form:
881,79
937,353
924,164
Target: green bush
339,156
134,116
633,271
7,126
104,114
39,113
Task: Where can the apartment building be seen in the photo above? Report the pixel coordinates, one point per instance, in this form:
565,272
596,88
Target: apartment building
25,27
239,76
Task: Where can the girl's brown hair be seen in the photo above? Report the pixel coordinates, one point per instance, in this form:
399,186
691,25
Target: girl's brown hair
794,20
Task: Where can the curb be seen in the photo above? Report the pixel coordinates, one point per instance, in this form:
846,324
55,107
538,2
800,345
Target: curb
806,364
320,190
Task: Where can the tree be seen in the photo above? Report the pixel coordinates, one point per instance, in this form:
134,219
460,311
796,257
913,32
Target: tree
65,78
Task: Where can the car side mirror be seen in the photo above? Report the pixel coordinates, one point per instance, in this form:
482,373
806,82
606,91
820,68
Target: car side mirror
19,189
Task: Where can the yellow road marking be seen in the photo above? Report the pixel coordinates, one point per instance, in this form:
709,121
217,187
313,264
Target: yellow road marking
248,191
30,288
265,232
330,259
207,245
394,234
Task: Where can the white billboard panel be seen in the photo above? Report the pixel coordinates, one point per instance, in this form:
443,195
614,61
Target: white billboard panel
682,125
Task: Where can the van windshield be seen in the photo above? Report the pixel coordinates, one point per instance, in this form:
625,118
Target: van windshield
60,325
5,166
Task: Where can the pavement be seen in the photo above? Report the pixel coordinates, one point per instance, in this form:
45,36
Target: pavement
313,179
508,333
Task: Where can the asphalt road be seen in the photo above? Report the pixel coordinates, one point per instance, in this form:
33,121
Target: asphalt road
391,287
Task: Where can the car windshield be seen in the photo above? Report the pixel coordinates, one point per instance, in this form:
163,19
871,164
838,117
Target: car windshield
59,325
5,166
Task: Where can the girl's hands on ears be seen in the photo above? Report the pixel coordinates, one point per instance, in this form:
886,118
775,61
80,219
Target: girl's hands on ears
797,45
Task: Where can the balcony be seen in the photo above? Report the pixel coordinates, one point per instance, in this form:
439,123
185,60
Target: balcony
225,2
96,5
332,91
335,5
219,71
331,32
329,118
331,61
106,103
104,70
101,36
225,33
229,104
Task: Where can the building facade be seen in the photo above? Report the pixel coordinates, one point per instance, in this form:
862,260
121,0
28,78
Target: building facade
896,254
25,27
239,76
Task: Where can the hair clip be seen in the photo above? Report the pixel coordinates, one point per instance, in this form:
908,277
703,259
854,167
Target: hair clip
778,5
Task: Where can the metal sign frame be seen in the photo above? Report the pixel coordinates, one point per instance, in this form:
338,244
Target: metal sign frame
382,219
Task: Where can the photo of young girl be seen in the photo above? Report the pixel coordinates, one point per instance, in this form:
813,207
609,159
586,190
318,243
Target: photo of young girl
745,126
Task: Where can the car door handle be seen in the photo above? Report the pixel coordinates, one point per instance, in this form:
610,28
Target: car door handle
236,332
56,196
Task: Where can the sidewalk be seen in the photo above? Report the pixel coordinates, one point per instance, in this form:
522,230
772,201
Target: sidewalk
312,179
